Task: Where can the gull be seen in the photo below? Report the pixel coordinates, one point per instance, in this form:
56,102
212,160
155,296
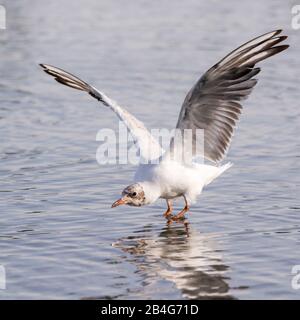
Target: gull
212,105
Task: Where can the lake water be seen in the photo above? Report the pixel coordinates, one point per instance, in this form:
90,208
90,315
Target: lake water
59,238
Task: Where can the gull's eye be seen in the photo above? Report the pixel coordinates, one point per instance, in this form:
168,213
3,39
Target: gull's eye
133,194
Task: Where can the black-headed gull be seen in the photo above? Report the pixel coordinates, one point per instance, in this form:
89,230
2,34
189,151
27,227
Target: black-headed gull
212,105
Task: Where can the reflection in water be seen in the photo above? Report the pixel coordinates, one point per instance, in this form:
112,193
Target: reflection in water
185,257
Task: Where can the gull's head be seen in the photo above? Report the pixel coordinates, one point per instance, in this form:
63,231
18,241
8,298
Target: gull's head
132,195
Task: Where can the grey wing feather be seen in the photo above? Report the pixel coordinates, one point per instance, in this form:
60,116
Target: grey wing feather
213,104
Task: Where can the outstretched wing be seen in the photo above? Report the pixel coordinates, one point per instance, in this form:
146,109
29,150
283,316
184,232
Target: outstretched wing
149,147
213,103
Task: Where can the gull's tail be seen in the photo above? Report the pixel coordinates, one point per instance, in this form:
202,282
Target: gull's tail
216,172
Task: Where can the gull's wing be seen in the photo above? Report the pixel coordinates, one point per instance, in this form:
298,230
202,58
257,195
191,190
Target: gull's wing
149,147
213,103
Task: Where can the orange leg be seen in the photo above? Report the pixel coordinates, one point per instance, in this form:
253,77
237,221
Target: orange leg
168,213
180,215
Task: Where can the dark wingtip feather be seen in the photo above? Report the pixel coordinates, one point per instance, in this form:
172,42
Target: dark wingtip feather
278,31
277,49
283,47
44,66
283,37
65,78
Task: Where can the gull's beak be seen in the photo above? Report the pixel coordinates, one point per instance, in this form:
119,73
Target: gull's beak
118,202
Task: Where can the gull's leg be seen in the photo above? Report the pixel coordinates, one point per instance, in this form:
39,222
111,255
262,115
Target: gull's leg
168,213
180,215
